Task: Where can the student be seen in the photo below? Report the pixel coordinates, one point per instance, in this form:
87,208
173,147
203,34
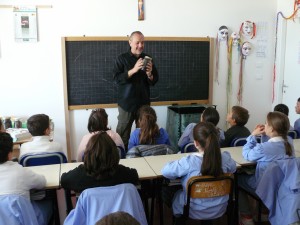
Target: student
98,121
284,109
38,127
148,132
279,146
17,180
210,114
100,168
297,122
208,161
118,218
237,118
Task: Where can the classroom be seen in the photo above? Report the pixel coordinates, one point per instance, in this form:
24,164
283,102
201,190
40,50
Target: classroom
32,79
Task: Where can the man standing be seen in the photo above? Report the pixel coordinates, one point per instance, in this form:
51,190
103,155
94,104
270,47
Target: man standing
134,83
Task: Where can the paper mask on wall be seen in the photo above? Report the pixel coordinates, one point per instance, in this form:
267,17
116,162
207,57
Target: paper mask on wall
235,39
246,49
248,29
234,43
223,33
222,36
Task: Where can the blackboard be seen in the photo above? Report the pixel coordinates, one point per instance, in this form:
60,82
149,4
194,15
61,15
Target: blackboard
183,65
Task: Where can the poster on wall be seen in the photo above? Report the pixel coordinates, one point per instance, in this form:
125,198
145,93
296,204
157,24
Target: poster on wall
25,19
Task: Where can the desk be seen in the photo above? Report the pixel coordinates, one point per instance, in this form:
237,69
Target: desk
296,144
17,146
51,173
236,155
140,164
157,162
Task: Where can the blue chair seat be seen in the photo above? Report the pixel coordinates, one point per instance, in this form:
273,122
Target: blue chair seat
43,159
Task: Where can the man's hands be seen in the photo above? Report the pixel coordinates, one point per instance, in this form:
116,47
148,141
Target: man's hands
138,65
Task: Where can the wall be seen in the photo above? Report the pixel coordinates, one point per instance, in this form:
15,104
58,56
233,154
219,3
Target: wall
31,74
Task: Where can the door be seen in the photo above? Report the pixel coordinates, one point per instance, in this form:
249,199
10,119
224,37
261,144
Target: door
291,80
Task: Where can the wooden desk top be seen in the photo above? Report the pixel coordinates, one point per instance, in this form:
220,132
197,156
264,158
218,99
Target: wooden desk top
157,162
22,141
296,144
236,155
51,173
140,164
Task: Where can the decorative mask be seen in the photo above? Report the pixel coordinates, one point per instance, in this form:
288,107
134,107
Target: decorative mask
246,49
223,33
235,38
248,29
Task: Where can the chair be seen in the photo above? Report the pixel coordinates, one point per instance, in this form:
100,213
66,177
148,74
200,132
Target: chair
95,203
279,190
46,159
238,142
190,147
208,187
242,141
43,159
293,134
17,210
122,152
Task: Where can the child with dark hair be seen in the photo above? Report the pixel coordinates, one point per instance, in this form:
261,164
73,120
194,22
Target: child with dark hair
17,180
98,121
148,132
118,218
297,122
100,166
237,118
39,127
208,161
282,108
278,147
210,114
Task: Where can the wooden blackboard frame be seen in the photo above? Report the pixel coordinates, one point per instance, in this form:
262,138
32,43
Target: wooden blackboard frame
92,106
113,105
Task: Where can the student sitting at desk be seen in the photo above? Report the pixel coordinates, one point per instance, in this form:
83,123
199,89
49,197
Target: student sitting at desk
210,114
297,122
38,127
279,146
98,121
208,161
148,132
17,180
237,118
100,168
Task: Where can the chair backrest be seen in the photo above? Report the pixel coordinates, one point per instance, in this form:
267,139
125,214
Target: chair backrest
190,147
43,159
122,152
16,210
208,187
95,203
238,142
293,134
149,150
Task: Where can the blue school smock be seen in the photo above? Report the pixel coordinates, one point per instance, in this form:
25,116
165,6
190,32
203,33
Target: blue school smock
264,153
186,167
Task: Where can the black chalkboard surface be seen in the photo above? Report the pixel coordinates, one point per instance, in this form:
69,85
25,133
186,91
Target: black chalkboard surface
183,65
